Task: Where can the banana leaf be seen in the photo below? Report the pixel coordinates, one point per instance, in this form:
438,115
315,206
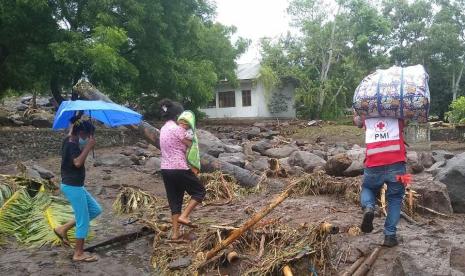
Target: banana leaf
31,219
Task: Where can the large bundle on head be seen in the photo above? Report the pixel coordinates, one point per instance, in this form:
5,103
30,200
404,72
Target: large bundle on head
396,92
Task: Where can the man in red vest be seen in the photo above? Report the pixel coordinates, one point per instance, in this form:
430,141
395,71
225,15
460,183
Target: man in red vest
384,162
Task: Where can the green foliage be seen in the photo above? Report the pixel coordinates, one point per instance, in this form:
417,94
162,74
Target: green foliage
133,50
456,114
341,43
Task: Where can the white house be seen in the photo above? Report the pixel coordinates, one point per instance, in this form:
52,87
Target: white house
249,100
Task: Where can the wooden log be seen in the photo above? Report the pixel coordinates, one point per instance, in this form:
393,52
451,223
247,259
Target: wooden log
245,178
126,238
433,211
287,271
368,263
235,234
354,267
408,218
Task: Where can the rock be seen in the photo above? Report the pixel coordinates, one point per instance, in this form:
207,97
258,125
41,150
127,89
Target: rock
253,132
142,145
436,167
21,107
441,155
113,160
269,134
44,173
4,120
355,147
453,175
338,164
336,150
262,146
282,152
457,259
260,125
357,154
426,159
26,99
41,119
181,262
413,163
433,194
233,148
355,169
127,151
209,143
300,143
152,165
321,154
237,158
261,165
135,159
106,177
306,160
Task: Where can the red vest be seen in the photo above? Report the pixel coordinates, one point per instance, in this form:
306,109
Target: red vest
384,140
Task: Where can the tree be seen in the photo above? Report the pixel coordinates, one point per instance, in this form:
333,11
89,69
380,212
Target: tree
131,49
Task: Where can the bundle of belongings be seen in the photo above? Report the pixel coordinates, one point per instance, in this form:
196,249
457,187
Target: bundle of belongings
395,92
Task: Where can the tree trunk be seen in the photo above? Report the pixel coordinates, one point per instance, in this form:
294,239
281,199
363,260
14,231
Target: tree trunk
209,163
56,91
456,82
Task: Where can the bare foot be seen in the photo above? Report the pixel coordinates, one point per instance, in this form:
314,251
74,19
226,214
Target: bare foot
62,235
186,222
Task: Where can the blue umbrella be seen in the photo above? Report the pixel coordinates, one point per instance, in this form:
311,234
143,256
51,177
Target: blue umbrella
110,114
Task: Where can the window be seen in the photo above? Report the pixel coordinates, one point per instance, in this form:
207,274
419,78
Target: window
246,98
212,103
227,99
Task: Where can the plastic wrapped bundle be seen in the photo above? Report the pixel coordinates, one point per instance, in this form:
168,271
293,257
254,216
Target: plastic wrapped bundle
396,92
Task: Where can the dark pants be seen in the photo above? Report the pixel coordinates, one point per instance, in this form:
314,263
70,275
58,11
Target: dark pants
179,181
373,180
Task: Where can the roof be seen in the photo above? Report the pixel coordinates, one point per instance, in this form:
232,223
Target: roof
248,71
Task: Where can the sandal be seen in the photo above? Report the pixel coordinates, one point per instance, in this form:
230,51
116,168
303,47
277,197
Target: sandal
87,259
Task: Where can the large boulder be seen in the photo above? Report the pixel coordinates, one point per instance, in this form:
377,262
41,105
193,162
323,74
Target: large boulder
152,165
260,165
357,155
237,158
262,146
441,155
453,175
113,160
44,173
282,152
433,194
253,132
338,164
306,160
209,143
436,167
413,163
426,159
41,119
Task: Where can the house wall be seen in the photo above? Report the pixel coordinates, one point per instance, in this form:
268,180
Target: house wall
259,107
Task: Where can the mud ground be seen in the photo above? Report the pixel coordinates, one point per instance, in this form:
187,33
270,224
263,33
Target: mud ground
434,247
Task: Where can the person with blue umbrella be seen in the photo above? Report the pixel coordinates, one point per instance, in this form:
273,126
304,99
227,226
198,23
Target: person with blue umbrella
75,149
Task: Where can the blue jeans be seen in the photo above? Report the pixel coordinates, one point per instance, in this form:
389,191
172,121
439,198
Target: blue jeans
85,208
373,180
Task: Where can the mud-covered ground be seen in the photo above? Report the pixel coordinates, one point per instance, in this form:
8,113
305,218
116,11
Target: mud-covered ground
434,247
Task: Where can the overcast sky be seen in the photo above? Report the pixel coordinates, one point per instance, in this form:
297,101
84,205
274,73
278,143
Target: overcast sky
254,19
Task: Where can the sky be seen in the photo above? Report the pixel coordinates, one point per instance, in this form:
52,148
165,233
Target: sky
254,19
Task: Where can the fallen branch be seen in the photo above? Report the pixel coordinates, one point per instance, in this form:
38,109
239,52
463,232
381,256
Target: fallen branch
87,91
126,238
262,247
354,266
368,263
433,211
287,271
235,234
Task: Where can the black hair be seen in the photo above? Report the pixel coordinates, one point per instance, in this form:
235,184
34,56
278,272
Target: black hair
170,110
81,125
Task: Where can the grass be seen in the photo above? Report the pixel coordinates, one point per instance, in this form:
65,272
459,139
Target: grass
331,134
